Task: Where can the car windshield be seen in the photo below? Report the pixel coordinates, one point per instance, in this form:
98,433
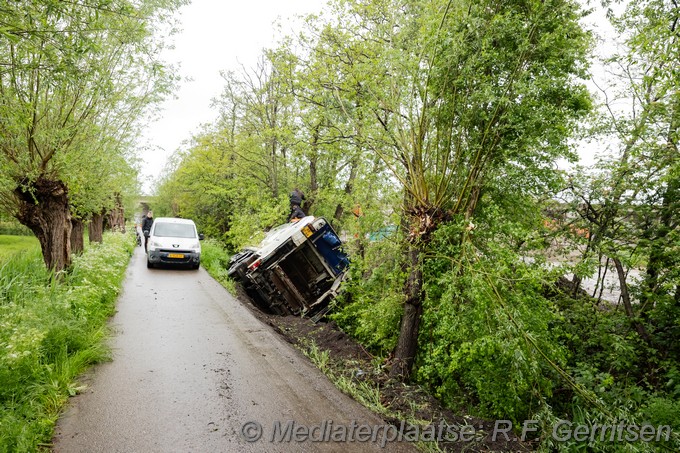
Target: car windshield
174,230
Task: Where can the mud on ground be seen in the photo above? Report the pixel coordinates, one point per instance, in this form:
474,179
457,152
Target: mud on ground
350,359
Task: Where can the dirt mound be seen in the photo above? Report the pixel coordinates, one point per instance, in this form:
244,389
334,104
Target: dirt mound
352,359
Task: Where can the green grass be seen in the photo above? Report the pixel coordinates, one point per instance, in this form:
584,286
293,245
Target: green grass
51,330
215,259
10,245
12,227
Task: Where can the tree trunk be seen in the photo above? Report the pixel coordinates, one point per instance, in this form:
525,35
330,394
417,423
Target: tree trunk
349,187
625,297
77,232
658,259
407,346
116,217
43,207
96,228
576,280
313,172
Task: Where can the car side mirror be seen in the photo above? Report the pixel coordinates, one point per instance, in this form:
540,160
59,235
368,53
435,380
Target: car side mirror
201,236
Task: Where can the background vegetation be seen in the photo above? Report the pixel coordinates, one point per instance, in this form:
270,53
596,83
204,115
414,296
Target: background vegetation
435,136
76,79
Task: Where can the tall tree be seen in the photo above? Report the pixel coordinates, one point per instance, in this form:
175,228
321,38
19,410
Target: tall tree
630,204
463,91
70,74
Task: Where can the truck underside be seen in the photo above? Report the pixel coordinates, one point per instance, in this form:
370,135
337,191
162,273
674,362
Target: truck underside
295,279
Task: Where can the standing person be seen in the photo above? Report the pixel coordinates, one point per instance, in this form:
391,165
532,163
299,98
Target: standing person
146,228
296,197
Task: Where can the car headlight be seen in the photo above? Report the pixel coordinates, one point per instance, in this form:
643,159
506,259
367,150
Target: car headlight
196,247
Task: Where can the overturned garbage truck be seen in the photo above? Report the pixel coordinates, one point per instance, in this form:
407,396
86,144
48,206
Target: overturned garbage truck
297,269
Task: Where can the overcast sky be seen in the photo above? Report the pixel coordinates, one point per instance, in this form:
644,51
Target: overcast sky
216,35
221,35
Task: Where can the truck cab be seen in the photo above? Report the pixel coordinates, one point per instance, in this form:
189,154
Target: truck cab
296,269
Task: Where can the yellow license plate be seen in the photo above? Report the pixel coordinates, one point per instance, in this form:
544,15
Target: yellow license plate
175,255
307,231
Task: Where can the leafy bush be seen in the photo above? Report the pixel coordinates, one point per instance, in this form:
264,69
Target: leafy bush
14,228
371,304
485,337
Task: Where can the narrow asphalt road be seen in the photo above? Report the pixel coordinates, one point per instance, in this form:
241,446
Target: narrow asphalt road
191,366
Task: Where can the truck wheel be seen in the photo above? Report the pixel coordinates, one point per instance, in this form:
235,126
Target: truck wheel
238,265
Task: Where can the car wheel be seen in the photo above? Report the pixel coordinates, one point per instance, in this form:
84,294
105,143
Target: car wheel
149,264
196,266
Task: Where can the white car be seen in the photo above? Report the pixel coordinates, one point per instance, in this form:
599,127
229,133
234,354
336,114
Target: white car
174,241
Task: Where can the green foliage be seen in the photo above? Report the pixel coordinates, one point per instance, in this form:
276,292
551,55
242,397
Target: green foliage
607,357
215,259
76,80
371,304
13,228
663,411
457,112
486,330
52,329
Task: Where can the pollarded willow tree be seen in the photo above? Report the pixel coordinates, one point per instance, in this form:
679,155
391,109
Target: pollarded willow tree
464,92
73,76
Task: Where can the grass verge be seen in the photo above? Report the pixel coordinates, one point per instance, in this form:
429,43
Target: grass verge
12,244
51,330
348,377
215,260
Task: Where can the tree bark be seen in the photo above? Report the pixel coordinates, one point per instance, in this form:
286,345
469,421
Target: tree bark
44,208
625,297
116,217
576,280
313,172
96,228
77,232
407,346
349,187
659,243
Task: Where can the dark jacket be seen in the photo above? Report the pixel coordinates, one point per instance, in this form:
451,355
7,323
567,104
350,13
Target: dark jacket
146,224
296,213
296,197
